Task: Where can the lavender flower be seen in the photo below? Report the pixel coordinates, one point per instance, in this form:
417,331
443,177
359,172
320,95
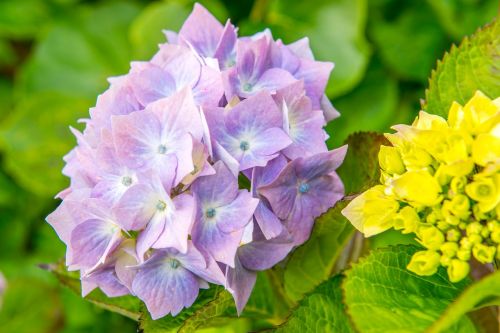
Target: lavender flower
154,207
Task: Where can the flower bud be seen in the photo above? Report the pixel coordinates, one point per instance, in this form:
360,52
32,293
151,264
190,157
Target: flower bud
418,187
474,228
407,219
486,149
457,185
483,253
445,261
390,160
453,235
495,234
465,243
485,192
449,249
459,206
424,262
458,270
463,254
443,225
431,237
475,239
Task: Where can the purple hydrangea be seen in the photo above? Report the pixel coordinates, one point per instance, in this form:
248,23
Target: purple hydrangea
154,207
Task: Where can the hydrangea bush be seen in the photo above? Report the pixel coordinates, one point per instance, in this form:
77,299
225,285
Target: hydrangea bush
202,166
440,180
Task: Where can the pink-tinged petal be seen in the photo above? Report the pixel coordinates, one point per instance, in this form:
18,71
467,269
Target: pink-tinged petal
87,287
69,214
218,189
225,51
202,30
125,262
315,75
210,239
268,223
264,147
240,283
271,81
183,150
252,58
172,36
262,255
329,112
177,229
165,285
92,241
206,132
137,137
106,280
209,89
150,235
258,112
152,83
178,114
223,155
180,62
136,207
301,48
237,214
284,58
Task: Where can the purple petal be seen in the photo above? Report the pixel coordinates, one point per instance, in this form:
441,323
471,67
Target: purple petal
209,89
315,75
321,164
180,62
203,266
217,190
150,235
202,31
240,284
272,80
329,112
237,214
165,285
268,223
225,51
262,255
152,83
177,229
106,280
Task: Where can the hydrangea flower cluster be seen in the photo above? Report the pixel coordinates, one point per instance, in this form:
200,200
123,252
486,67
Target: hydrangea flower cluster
155,209
440,180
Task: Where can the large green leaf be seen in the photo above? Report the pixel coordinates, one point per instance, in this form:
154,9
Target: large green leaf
336,33
472,66
22,19
320,311
381,295
371,106
80,51
128,306
313,262
410,42
35,137
482,293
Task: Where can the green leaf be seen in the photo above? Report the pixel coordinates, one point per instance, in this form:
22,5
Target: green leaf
80,51
360,169
336,33
313,262
146,30
482,293
409,43
381,295
462,17
472,66
35,137
320,311
371,106
128,306
211,298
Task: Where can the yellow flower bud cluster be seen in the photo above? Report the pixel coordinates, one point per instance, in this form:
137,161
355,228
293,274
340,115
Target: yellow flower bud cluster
440,180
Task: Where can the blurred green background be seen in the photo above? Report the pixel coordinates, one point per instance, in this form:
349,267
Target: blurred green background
55,56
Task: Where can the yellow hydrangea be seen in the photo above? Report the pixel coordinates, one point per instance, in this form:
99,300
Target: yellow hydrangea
441,181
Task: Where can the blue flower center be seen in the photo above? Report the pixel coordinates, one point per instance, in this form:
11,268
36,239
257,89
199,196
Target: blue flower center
174,263
247,87
161,206
304,188
244,145
162,149
126,181
210,213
